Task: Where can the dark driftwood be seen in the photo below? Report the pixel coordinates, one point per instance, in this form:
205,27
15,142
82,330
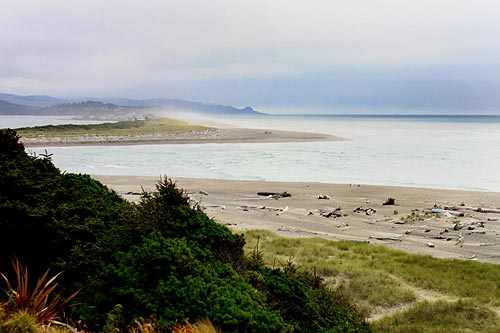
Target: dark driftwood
477,209
389,202
395,239
275,195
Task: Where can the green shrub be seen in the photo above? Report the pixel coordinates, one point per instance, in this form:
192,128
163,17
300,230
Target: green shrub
160,258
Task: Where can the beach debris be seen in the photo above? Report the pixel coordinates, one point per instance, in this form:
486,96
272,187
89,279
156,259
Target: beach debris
479,232
132,193
367,201
492,219
275,195
473,257
460,240
447,212
246,208
203,192
342,225
395,239
337,212
215,206
324,197
468,224
430,245
370,211
281,210
367,211
407,232
389,202
440,237
475,209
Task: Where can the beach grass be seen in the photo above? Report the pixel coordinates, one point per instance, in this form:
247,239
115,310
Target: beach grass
441,317
381,280
120,128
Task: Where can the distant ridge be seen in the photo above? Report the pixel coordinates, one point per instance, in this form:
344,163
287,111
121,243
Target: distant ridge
32,100
11,104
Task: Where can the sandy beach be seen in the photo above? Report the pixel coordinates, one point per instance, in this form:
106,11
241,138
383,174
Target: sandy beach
347,212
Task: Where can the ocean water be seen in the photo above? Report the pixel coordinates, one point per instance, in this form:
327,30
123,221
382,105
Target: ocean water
449,152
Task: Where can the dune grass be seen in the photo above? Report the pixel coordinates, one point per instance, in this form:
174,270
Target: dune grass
441,317
121,128
379,279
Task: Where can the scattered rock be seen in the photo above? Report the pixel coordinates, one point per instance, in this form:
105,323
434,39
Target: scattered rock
324,197
430,245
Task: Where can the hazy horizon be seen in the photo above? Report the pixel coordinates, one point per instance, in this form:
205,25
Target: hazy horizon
388,56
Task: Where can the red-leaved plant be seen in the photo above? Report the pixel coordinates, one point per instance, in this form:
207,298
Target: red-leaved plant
42,301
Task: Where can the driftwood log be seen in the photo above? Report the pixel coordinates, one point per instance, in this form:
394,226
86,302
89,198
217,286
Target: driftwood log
476,209
275,195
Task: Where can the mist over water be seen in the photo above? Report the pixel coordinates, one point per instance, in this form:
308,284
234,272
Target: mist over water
437,152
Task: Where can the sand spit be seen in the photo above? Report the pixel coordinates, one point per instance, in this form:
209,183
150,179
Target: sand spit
218,135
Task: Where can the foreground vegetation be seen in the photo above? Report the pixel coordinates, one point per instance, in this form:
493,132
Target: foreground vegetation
429,294
141,267
121,128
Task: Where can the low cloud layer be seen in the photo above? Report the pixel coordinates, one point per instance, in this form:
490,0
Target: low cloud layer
329,54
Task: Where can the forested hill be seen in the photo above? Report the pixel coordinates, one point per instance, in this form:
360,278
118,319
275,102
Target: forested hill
46,105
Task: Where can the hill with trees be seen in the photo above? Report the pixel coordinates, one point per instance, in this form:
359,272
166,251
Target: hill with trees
11,104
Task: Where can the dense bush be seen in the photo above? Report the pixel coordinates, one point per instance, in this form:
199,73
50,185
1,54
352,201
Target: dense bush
161,259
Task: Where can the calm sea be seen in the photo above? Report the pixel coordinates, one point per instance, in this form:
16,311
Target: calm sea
450,152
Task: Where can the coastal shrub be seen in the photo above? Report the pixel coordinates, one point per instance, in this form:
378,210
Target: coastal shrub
175,279
72,221
303,301
161,258
168,211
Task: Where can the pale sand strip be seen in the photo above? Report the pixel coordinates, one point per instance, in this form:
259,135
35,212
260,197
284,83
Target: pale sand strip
219,135
237,205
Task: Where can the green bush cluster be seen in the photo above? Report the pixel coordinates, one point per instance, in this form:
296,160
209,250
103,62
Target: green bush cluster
161,259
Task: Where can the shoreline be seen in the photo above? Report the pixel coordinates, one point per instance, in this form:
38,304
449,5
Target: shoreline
408,226
219,135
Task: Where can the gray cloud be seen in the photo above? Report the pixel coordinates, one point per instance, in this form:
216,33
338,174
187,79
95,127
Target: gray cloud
309,53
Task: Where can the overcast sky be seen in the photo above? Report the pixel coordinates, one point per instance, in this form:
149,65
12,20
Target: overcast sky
315,55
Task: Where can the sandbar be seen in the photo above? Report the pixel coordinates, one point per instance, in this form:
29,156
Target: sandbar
217,135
